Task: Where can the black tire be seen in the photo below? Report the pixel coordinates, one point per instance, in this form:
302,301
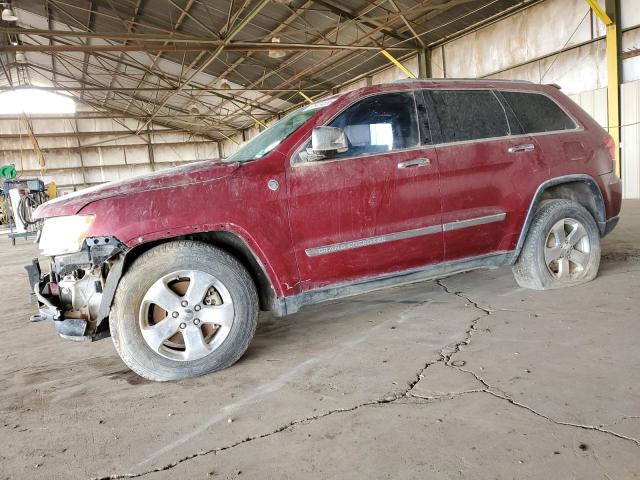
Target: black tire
530,269
158,262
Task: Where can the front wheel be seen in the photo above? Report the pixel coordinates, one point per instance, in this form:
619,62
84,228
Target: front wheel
183,309
562,247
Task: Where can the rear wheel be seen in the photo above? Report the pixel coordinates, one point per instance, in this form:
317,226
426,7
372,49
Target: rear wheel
562,247
183,309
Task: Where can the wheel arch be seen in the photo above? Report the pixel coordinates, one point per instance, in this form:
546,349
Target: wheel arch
225,240
580,188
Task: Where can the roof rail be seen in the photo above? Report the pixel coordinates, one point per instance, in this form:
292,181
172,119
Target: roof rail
427,80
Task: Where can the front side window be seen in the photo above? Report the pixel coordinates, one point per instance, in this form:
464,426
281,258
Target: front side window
469,115
538,113
270,138
379,124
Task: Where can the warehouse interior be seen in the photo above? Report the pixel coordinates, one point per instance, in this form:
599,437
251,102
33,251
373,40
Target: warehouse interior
464,377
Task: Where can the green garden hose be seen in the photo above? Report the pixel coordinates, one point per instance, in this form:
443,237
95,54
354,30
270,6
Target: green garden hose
8,172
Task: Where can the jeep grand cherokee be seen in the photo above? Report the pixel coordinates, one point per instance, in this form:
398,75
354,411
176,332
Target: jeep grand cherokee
381,186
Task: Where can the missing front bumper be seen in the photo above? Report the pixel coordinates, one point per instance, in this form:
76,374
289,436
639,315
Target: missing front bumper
77,296
68,328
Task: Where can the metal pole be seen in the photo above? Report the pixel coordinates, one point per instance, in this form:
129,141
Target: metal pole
395,61
424,64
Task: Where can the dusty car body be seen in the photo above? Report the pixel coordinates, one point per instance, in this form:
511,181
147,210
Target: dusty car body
376,187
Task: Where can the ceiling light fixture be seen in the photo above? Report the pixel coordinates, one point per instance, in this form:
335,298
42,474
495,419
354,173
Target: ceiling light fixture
276,53
8,15
194,109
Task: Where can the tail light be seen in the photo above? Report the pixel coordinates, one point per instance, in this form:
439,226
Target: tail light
610,144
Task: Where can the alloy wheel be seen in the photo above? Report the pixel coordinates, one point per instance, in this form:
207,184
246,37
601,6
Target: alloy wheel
186,315
567,250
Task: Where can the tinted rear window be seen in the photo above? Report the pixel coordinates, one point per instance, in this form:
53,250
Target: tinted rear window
538,113
469,115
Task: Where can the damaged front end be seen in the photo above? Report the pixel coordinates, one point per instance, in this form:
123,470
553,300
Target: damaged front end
77,292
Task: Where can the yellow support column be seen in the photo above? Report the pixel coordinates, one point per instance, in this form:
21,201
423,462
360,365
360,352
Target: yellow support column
305,97
395,61
609,18
613,71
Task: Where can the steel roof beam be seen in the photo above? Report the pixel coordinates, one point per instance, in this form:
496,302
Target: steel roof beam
234,46
232,33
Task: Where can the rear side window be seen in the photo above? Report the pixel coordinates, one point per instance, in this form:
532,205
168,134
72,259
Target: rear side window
379,124
469,115
538,113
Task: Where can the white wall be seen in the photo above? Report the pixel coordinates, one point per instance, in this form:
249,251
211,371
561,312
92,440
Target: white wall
631,139
526,45
535,32
595,103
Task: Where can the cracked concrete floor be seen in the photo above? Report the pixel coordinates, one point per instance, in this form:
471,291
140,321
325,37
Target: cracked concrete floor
467,377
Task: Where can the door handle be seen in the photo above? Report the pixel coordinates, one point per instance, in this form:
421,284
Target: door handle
527,147
418,162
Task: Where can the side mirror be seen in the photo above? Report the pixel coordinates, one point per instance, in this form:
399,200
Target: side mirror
328,139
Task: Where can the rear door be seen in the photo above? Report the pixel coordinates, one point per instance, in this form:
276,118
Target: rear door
374,209
483,168
552,129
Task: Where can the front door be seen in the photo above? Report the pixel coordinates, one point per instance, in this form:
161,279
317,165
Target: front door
374,209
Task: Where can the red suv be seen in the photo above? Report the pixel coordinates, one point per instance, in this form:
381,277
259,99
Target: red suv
381,186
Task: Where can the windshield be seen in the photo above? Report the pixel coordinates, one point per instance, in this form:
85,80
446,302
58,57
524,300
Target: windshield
262,144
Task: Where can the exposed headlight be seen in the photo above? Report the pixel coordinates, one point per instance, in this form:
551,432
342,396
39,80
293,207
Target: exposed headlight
61,235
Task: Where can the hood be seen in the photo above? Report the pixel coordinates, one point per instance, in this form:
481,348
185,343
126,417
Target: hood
170,178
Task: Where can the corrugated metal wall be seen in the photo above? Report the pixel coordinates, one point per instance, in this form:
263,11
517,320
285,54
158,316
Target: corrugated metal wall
631,139
556,41
84,152
595,103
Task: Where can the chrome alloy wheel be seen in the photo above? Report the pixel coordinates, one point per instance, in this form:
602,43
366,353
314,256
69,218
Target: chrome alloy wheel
567,250
186,315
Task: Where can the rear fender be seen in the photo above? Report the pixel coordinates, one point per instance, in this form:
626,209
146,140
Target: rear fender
594,202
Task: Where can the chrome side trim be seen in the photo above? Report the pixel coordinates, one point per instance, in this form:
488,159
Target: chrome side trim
472,222
365,242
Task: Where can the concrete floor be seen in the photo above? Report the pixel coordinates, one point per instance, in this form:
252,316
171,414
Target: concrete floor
468,377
